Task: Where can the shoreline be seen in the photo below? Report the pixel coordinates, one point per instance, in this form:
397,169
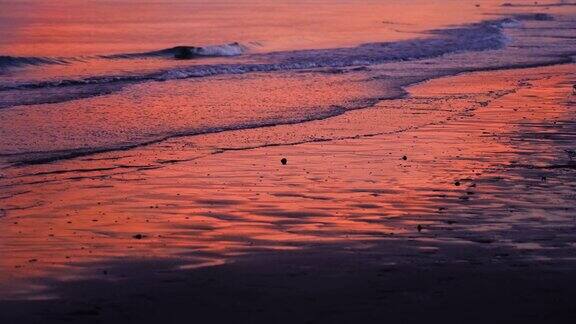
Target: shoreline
103,113
325,237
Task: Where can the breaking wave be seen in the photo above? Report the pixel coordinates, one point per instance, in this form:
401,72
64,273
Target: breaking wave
475,37
232,49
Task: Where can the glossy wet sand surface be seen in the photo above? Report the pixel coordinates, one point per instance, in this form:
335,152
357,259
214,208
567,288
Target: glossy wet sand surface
235,235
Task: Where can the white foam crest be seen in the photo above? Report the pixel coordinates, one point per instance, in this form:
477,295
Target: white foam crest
233,49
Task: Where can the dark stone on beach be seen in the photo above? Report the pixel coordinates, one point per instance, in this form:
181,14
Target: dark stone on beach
85,312
456,183
571,153
284,161
183,53
138,236
419,228
484,241
404,158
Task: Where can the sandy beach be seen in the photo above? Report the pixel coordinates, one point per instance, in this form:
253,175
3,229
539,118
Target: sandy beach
407,168
238,236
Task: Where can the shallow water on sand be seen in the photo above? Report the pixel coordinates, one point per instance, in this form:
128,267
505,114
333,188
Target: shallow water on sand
466,179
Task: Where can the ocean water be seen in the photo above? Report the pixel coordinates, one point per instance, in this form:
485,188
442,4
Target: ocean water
102,128
84,77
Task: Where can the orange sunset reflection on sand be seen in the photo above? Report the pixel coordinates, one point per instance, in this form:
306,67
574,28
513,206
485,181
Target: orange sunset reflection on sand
158,202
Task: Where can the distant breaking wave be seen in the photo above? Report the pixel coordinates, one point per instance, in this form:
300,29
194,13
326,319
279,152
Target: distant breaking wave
475,37
232,49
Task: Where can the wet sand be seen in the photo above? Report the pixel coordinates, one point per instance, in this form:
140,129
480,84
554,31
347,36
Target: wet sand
332,236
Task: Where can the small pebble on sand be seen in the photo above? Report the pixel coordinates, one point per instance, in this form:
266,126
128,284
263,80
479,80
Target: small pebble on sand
284,161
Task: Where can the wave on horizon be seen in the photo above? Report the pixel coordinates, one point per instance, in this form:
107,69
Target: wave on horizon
482,36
